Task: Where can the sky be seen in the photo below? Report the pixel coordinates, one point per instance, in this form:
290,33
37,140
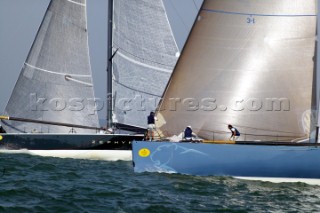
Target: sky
20,20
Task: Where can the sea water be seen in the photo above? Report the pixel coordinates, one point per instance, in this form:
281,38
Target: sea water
46,184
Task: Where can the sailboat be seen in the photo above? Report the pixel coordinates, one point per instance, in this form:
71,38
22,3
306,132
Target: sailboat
52,108
250,64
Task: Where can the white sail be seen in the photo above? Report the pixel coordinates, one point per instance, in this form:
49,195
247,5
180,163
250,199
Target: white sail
55,83
145,53
249,63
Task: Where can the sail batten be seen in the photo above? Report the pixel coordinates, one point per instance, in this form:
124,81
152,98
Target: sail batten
56,73
55,83
151,67
77,3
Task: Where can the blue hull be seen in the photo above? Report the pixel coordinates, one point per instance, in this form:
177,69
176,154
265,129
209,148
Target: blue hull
241,160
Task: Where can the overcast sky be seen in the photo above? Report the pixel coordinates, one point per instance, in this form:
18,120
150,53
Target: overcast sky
20,20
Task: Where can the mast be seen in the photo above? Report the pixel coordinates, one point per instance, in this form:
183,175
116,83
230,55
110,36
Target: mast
317,72
109,68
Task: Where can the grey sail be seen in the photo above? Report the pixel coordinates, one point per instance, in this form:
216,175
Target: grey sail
249,63
145,53
55,83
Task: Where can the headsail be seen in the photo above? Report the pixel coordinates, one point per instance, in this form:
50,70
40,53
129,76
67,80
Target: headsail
246,63
55,83
145,53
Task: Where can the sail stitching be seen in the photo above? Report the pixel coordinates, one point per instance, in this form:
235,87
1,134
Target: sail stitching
143,64
74,2
258,14
56,73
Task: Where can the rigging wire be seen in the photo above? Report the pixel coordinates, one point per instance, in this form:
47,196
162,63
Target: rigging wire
179,16
293,137
195,5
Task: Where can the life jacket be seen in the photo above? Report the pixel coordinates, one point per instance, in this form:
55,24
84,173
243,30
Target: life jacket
237,132
188,133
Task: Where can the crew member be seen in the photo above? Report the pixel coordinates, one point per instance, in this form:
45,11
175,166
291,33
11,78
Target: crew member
188,133
151,125
234,133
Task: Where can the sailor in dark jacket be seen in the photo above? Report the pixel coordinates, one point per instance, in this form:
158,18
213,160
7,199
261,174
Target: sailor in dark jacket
234,133
151,125
188,133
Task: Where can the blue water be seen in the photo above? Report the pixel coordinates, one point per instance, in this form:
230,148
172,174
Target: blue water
42,184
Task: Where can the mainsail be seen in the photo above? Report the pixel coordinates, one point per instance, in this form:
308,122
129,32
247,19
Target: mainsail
55,83
145,53
249,63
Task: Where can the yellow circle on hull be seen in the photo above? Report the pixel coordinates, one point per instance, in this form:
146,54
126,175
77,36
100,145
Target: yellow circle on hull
144,152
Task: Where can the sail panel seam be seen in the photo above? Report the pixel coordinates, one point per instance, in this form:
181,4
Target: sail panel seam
143,64
74,2
56,73
259,14
144,59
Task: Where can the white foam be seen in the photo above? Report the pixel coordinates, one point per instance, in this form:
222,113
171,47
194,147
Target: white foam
107,155
310,181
